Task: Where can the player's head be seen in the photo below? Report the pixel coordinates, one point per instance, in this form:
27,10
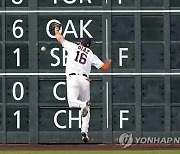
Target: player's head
86,41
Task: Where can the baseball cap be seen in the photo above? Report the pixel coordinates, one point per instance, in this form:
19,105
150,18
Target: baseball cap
86,41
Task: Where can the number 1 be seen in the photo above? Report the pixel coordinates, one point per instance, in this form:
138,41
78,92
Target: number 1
17,51
17,113
55,1
77,56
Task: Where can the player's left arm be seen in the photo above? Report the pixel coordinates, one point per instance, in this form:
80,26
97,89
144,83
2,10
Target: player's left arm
58,35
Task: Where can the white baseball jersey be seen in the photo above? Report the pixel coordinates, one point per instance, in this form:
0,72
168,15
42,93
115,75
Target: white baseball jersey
80,59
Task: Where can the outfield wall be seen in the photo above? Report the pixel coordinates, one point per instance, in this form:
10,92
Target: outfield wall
139,94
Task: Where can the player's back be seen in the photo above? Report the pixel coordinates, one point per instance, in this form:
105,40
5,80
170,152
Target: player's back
79,58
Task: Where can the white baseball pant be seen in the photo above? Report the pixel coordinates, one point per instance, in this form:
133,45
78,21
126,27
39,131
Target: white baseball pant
78,93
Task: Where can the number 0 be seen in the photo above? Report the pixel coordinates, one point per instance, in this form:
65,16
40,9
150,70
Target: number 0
14,91
17,2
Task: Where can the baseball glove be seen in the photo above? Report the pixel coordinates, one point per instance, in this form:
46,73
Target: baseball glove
53,25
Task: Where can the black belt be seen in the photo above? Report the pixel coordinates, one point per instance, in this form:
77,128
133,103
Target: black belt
78,74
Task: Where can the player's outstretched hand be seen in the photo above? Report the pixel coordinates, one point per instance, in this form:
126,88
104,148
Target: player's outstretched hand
108,61
55,26
106,64
56,29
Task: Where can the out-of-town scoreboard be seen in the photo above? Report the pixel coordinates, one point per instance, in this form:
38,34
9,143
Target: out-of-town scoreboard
139,94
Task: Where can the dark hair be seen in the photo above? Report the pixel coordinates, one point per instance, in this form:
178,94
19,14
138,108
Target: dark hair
86,41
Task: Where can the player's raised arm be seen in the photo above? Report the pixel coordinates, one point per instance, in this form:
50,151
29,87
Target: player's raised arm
106,64
58,35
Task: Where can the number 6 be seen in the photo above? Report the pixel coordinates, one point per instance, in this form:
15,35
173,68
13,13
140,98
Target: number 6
15,28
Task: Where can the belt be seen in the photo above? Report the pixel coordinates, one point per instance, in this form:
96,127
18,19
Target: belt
78,74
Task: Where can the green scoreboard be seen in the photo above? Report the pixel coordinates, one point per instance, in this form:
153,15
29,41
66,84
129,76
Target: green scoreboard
138,94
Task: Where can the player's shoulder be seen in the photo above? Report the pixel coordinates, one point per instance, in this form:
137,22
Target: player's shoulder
67,43
89,50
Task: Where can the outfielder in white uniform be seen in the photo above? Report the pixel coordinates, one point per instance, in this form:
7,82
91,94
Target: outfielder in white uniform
79,61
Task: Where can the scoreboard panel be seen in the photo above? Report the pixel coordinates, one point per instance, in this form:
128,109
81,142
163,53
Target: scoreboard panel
70,3
139,94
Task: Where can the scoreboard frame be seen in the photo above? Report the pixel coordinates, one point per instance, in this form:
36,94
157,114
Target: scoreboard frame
136,95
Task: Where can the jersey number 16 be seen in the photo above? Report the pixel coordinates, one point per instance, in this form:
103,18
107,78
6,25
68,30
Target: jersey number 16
81,57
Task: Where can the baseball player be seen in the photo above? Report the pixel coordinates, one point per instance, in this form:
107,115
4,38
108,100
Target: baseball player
78,66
